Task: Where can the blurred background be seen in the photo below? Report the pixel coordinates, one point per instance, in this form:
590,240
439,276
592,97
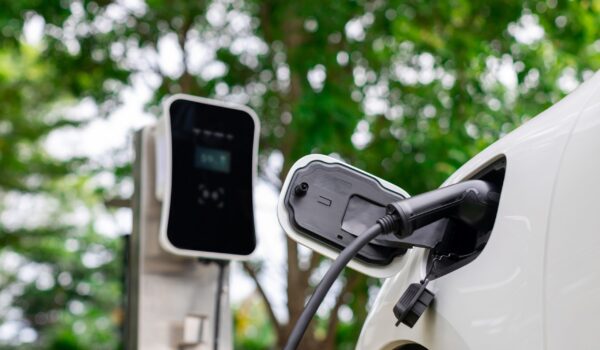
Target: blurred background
407,90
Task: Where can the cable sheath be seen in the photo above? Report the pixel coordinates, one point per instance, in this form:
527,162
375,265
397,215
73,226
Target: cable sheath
321,291
218,300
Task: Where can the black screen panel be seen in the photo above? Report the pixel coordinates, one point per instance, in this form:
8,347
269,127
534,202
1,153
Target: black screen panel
211,186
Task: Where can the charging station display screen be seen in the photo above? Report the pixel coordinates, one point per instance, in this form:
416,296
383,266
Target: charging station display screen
212,172
212,159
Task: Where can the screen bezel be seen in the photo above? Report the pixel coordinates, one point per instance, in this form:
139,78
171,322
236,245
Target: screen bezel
164,239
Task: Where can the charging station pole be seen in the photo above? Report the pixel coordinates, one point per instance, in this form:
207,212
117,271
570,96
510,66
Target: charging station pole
171,299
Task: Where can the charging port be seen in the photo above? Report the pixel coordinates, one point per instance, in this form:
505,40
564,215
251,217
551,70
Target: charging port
460,244
334,203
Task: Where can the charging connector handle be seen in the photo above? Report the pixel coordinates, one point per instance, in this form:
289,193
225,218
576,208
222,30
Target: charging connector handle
473,202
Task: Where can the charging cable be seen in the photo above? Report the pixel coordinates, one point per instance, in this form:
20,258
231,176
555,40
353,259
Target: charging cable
386,224
218,300
221,265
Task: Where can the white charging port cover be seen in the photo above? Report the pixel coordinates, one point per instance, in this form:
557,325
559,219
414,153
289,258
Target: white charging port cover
347,218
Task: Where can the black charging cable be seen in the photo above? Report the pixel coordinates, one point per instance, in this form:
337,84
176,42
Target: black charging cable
386,224
221,265
218,299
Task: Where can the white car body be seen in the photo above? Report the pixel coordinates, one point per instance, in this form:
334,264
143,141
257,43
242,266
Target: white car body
536,285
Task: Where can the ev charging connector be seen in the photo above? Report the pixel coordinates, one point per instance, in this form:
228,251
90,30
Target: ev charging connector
472,202
342,207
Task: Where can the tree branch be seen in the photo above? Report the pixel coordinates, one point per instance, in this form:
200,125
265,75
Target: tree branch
295,284
270,180
117,202
186,80
315,259
252,273
353,279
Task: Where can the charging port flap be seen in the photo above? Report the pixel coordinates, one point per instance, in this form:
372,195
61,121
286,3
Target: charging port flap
325,204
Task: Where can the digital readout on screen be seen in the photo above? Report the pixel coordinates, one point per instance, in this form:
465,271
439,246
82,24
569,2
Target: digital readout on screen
212,159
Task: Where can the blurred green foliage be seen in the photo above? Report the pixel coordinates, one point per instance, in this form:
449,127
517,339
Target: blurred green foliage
408,90
252,327
59,279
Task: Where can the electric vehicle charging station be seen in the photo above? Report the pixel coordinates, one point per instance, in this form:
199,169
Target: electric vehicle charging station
503,255
193,212
211,150
522,275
